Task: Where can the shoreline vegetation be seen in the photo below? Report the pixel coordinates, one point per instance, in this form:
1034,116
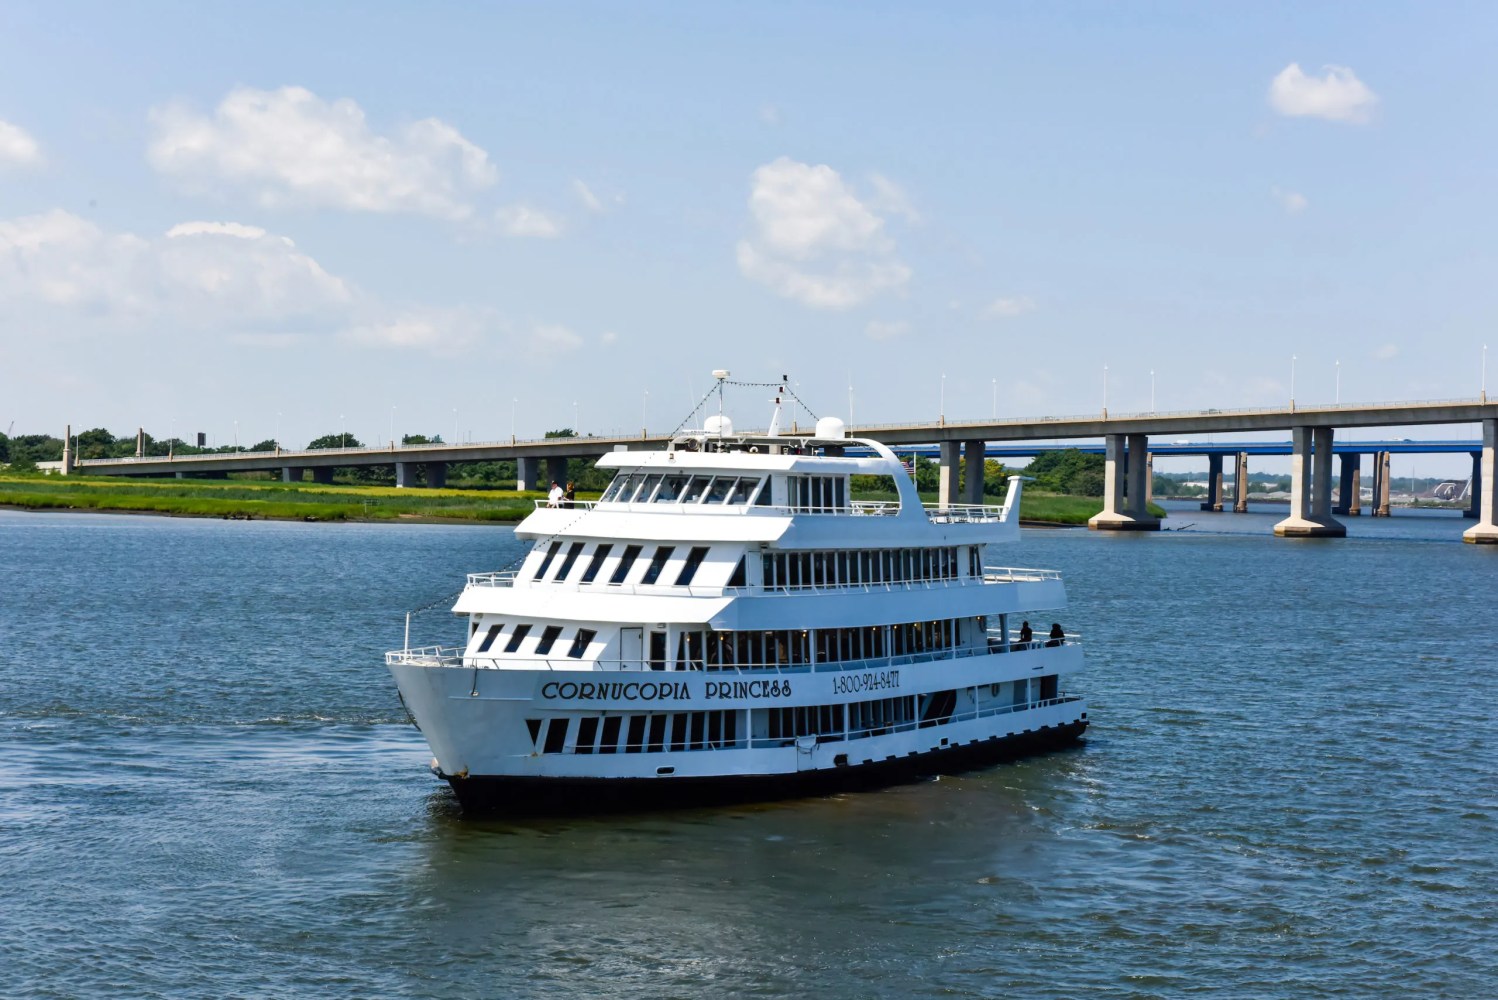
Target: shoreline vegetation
246,499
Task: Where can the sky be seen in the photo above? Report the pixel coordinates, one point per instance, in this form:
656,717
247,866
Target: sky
477,220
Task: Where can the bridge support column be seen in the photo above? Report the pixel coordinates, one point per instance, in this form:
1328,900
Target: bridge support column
1485,531
1310,486
527,471
68,458
1240,484
405,475
1381,462
946,490
972,472
1124,506
556,471
1149,479
436,475
322,474
291,474
1214,484
1474,487
1347,485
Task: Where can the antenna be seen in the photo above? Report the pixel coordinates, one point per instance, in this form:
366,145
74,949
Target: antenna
721,374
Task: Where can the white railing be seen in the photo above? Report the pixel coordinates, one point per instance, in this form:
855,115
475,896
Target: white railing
504,578
1014,574
457,656
991,575
964,513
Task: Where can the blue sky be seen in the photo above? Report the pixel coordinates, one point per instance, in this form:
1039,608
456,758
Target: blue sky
214,214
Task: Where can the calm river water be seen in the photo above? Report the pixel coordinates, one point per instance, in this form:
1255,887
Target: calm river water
208,788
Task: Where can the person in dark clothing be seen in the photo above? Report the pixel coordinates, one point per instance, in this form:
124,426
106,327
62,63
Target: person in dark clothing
1057,636
569,496
1025,635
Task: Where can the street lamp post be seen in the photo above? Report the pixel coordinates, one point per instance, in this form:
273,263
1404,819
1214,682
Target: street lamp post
1105,392
455,425
342,431
513,403
644,420
278,431
576,423
236,435
392,427
1484,373
850,400
1292,382
941,410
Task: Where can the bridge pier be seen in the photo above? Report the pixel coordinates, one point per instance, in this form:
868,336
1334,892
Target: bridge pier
1474,488
527,471
405,475
1214,484
1123,502
972,472
1485,531
1240,484
291,474
556,471
1149,478
948,473
322,474
1381,462
1347,485
1310,486
436,475
69,465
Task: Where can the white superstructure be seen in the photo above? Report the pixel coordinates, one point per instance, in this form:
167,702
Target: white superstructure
727,621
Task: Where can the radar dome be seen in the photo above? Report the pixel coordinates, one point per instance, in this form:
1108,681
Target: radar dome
831,427
718,425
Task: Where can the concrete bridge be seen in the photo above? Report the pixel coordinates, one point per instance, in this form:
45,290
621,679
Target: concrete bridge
1125,448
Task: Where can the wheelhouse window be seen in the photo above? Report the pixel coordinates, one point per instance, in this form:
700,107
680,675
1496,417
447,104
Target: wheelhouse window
489,638
573,551
670,489
719,490
626,563
596,563
580,643
647,489
743,491
517,637
551,553
657,563
549,637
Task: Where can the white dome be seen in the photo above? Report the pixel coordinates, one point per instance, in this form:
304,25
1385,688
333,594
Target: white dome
831,427
718,425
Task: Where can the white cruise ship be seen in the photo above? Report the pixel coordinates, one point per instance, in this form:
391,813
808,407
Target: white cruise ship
727,622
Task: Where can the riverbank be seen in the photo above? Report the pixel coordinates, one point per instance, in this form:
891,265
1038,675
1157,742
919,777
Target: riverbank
239,499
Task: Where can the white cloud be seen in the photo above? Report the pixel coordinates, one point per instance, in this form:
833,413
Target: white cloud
547,339
814,240
17,147
1337,95
609,338
1009,308
1387,352
291,147
1291,201
586,196
890,197
877,330
523,220
769,114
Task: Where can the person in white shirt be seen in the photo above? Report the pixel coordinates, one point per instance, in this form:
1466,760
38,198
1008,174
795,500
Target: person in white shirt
554,498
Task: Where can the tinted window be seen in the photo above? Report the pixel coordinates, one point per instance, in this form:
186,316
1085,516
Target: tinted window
720,488
626,562
614,487
594,564
573,551
517,637
671,488
580,644
696,488
551,553
694,559
548,638
657,563
743,490
647,488
489,638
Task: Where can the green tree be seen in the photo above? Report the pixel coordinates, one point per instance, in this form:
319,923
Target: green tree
565,432
334,441
1068,471
96,443
269,444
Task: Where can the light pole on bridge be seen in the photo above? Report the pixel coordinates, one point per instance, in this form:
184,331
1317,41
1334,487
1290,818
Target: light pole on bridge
1105,392
1292,383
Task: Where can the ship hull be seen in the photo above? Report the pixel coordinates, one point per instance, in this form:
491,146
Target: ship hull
509,795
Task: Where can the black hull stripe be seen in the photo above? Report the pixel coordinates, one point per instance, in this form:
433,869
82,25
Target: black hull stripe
491,795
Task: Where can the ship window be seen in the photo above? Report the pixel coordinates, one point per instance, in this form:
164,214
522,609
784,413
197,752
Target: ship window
609,742
517,637
657,563
697,736
839,497
842,567
573,551
551,553
657,734
743,490
614,488
556,736
587,734
695,489
629,487
580,644
599,555
534,727
694,559
626,562
720,489
489,638
647,488
739,575
634,741
548,639
679,732
763,498
670,490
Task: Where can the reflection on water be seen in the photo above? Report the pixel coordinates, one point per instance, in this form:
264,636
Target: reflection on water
207,786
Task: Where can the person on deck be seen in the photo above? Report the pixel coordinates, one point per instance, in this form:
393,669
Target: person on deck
554,498
569,496
1025,635
1057,636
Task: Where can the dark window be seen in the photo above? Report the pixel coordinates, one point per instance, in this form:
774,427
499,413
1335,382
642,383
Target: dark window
489,638
657,734
587,733
626,562
657,563
548,639
580,644
694,559
634,742
679,731
657,651
671,488
610,741
695,489
721,487
739,577
534,727
556,736
762,499
743,490
517,637
594,564
551,552
699,721
614,487
573,551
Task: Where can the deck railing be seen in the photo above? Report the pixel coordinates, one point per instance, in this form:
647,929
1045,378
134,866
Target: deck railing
991,575
937,513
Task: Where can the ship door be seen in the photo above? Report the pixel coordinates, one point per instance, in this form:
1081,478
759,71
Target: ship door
631,648
657,650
